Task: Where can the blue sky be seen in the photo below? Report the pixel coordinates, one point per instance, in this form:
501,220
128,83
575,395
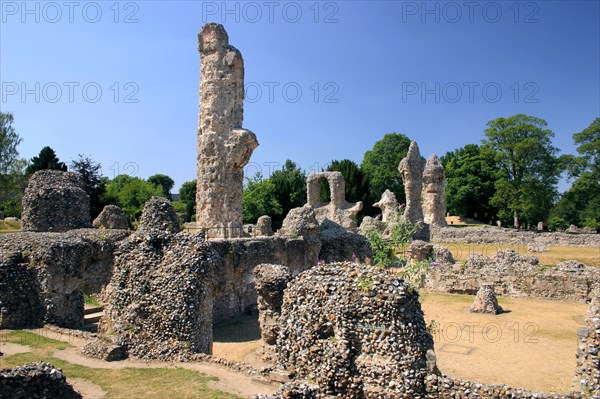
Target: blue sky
325,80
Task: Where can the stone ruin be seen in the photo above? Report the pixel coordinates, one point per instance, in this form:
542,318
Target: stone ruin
355,331
486,301
411,168
55,201
433,196
338,210
424,188
263,227
111,217
161,295
515,275
224,147
43,275
159,214
350,331
270,281
35,381
389,207
587,373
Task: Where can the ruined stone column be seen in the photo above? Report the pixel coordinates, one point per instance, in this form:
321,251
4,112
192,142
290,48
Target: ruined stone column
434,197
411,168
224,147
389,207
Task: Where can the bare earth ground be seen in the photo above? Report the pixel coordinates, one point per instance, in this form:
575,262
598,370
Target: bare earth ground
532,346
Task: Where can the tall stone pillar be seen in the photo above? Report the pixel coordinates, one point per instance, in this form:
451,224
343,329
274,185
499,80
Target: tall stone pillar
411,168
434,196
224,147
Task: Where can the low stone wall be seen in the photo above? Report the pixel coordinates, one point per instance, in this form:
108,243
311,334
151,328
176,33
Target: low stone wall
43,275
35,381
515,275
497,235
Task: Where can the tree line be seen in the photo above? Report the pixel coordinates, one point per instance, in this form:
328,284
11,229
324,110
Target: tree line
510,176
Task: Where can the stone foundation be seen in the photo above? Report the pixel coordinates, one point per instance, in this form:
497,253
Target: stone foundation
498,235
515,275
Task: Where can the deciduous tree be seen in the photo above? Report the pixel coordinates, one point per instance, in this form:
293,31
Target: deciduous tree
528,167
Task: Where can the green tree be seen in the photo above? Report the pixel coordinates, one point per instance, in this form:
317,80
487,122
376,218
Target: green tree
12,169
528,167
259,199
588,141
9,140
187,195
163,181
290,189
470,174
94,182
580,205
13,186
380,166
357,185
46,159
130,194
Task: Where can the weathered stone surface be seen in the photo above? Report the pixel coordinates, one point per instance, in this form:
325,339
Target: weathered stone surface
104,349
111,217
263,227
419,251
224,147
355,330
270,281
370,224
338,210
442,255
338,244
159,214
55,201
587,373
433,196
389,207
486,301
43,275
301,222
160,296
515,275
411,168
35,381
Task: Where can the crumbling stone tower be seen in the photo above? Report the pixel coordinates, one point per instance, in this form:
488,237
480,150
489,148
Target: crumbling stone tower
434,197
224,147
411,168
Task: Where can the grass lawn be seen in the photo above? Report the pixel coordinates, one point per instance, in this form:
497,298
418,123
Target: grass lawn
118,383
589,256
9,227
